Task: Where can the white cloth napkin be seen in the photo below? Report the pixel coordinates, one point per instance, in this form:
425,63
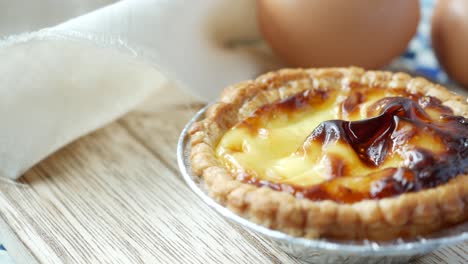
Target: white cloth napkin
61,83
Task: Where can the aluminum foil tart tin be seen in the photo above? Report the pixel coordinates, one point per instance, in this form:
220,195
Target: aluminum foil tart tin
321,250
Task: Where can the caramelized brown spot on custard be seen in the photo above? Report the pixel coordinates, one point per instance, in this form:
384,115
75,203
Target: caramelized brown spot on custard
372,138
301,102
350,104
397,122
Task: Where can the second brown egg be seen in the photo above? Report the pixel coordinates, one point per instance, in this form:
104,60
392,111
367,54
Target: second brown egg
450,38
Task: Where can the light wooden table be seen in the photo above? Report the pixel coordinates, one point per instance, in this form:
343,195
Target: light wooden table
116,196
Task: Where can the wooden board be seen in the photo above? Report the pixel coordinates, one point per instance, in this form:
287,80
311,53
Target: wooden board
116,196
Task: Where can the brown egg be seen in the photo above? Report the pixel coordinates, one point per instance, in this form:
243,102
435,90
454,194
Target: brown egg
450,38
321,33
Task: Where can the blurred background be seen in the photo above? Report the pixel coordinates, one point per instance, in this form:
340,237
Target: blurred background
24,15
419,57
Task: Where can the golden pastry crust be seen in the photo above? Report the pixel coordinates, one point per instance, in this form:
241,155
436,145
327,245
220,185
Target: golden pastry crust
405,215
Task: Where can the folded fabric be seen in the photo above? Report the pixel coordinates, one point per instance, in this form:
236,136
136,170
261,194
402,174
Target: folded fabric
61,83
192,42
54,88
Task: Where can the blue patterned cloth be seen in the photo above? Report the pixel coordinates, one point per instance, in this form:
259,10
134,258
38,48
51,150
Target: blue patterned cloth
4,257
418,59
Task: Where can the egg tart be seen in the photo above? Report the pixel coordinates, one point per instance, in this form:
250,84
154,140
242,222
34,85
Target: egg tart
339,153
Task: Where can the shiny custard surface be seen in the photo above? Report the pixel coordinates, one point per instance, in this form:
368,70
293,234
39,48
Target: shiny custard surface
350,145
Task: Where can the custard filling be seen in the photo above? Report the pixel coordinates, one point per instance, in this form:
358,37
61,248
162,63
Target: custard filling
349,145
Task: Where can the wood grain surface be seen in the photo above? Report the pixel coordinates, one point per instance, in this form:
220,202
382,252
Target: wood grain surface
116,196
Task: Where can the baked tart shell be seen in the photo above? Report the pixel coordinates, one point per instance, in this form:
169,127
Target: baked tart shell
403,216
